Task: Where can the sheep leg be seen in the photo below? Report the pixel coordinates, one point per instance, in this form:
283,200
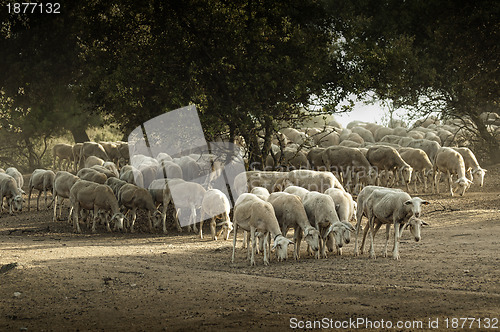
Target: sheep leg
201,224
254,245
297,238
395,252
266,259
192,217
176,217
38,199
164,219
234,241
134,216
76,226
371,220
54,218
387,230
245,242
450,186
150,222
95,216
212,228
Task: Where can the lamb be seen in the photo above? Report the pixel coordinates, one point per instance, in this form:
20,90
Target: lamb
420,162
42,180
63,181
133,198
451,162
290,213
346,211
388,159
12,171
97,197
392,207
472,167
215,204
255,215
64,152
320,210
93,175
93,160
9,190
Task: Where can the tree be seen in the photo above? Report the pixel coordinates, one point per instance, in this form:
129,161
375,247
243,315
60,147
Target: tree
246,64
429,56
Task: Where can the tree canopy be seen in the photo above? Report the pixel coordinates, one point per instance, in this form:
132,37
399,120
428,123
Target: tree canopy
248,65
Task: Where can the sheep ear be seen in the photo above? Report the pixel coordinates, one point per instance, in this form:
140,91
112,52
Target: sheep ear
426,202
337,206
408,202
424,223
291,242
348,226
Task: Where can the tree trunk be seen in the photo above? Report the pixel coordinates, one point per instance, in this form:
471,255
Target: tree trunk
491,144
79,134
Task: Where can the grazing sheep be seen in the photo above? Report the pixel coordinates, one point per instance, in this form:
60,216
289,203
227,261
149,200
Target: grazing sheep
298,191
320,210
77,150
347,160
104,170
215,204
12,171
190,168
392,208
315,158
42,180
346,211
290,213
419,161
111,166
92,161
93,175
184,195
92,149
94,197
169,170
157,190
472,167
133,198
63,152
452,163
246,181
112,150
430,147
132,175
253,215
63,181
9,190
387,158
313,180
261,192
115,184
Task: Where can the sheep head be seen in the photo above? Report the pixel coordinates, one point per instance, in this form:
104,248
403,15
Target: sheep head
311,236
118,219
478,176
415,204
281,245
415,225
462,183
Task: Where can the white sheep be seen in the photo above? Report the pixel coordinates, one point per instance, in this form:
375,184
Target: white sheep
215,204
392,207
346,211
93,175
12,171
290,213
92,161
320,210
132,175
157,190
452,163
111,166
295,190
106,171
472,167
312,180
92,149
387,158
253,215
41,180
94,197
430,147
134,198
184,195
64,152
421,164
9,190
261,192
63,181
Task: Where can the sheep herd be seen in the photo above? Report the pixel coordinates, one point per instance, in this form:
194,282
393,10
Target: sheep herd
321,169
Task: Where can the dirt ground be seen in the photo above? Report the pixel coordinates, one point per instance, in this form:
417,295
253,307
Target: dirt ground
137,282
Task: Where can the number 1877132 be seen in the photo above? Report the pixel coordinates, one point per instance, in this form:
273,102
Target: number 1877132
34,8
